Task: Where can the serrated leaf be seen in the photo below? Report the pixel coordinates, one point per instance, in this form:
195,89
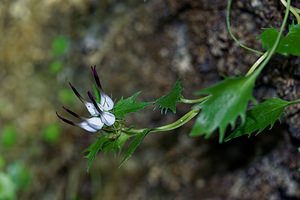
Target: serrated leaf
228,100
293,34
95,148
259,117
288,45
129,105
169,101
106,143
134,144
116,144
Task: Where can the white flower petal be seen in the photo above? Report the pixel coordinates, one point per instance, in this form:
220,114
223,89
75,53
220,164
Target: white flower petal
108,118
84,125
106,103
91,108
95,122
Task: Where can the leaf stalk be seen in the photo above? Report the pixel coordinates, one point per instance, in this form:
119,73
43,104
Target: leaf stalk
296,101
230,31
293,10
191,101
257,63
272,51
180,122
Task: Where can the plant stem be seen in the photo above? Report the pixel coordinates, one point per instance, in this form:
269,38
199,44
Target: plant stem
257,63
183,120
295,11
296,101
272,51
183,100
230,31
180,122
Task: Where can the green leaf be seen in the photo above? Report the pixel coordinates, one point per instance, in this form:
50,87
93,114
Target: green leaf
2,162
259,117
56,66
268,37
7,187
129,105
228,100
288,45
134,144
95,148
60,45
169,101
51,133
106,143
9,136
19,174
66,96
116,144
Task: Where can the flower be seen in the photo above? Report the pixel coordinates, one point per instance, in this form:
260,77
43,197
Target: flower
99,111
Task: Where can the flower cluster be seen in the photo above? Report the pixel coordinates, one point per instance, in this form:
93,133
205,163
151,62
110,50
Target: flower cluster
99,111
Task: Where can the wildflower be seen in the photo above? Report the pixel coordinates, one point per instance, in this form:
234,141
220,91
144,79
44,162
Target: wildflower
99,111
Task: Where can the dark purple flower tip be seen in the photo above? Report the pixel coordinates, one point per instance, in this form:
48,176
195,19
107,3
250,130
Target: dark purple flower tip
65,120
94,102
96,77
72,113
76,92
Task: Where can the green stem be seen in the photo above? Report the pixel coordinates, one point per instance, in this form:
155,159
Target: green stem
183,120
293,10
272,51
183,100
180,122
257,63
296,101
230,31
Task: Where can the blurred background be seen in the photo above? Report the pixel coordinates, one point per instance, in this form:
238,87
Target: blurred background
137,46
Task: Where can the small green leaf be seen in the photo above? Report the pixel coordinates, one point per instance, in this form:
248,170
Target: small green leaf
7,187
228,100
106,143
2,162
259,117
60,45
56,66
134,144
95,148
268,37
9,136
169,101
66,96
19,174
288,45
51,133
129,105
116,144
